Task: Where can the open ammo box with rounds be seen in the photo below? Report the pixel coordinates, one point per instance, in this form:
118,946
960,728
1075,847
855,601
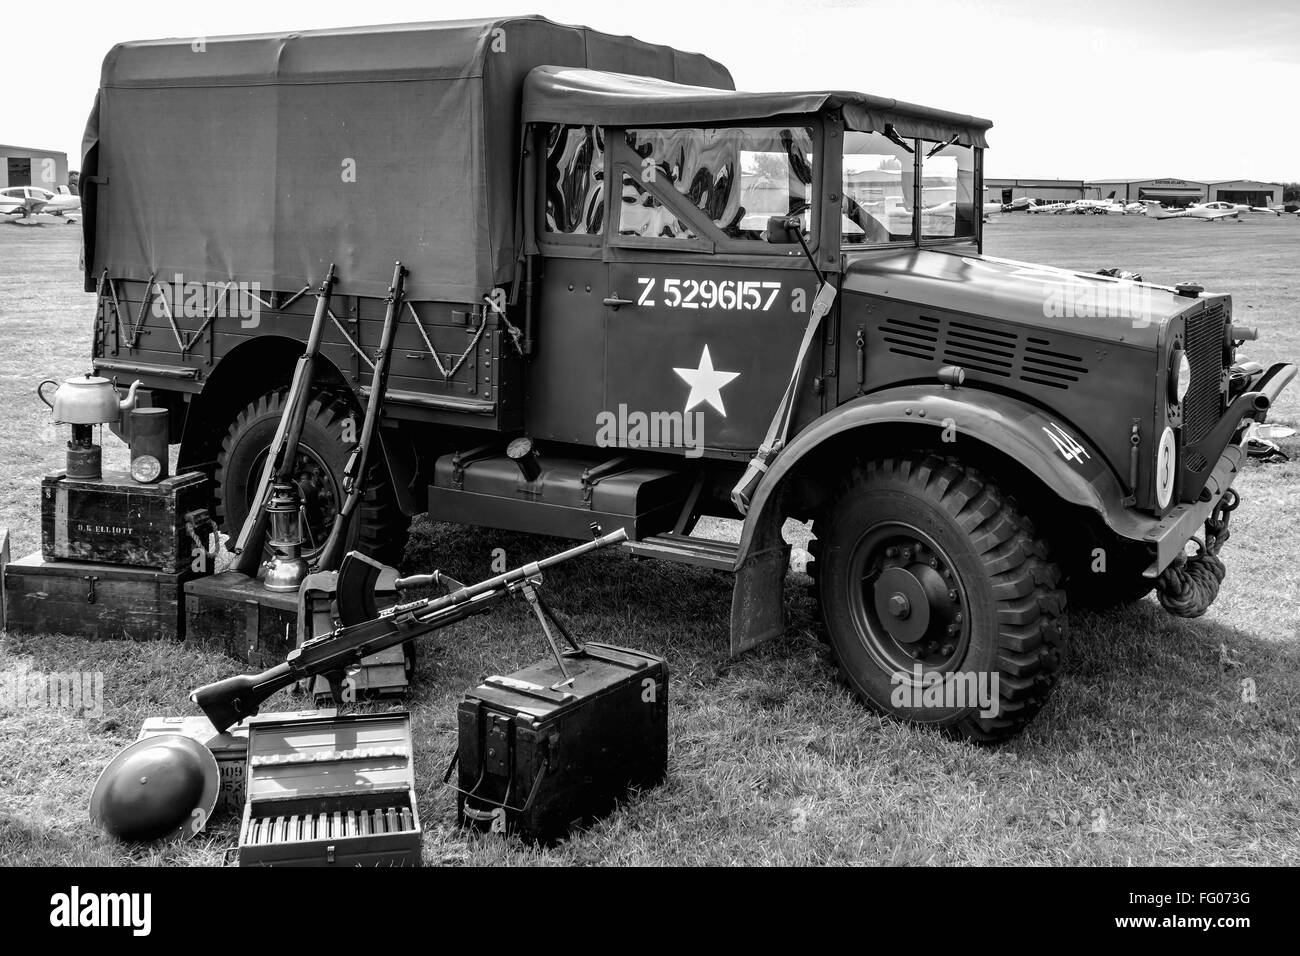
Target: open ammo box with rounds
330,791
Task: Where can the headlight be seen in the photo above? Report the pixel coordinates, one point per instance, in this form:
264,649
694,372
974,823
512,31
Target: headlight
1166,468
1180,375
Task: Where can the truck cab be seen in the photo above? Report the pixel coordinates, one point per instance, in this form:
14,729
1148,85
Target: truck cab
638,297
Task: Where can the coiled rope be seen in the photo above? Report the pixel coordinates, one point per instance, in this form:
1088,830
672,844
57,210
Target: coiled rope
1190,584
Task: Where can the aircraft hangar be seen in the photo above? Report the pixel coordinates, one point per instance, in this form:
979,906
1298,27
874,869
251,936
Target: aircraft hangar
1183,192
24,166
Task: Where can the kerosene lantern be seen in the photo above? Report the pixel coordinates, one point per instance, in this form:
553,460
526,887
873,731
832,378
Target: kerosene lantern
84,402
287,567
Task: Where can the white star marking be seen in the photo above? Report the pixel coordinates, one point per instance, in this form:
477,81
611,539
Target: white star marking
706,383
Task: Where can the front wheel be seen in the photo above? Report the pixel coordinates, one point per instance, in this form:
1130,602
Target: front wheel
940,603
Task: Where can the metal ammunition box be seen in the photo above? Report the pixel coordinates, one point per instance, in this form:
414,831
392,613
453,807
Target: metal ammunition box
97,601
229,747
330,791
117,520
535,758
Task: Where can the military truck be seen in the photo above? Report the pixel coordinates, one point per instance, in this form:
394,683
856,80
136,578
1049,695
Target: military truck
638,297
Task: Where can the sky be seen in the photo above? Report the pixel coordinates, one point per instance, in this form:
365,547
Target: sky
1193,89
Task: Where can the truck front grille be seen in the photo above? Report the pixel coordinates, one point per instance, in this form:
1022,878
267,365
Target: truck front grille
1203,404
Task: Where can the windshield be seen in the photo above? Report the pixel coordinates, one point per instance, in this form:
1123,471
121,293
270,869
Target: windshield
879,181
878,178
948,192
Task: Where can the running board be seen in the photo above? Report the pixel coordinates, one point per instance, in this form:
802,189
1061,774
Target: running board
683,549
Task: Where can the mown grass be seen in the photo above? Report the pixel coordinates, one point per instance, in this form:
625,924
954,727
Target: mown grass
1147,754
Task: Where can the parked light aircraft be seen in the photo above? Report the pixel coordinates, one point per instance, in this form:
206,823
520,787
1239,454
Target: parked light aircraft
27,201
1157,211
1239,207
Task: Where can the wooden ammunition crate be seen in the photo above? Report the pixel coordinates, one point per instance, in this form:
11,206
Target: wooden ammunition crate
330,792
233,613
117,520
98,601
230,747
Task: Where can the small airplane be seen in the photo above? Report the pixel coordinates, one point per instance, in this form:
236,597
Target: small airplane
1094,205
1240,207
949,208
1156,211
1055,208
22,201
26,201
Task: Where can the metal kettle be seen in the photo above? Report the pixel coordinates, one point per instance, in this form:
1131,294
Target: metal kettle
87,400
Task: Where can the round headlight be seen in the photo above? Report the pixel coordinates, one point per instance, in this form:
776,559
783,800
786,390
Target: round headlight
1180,375
1166,468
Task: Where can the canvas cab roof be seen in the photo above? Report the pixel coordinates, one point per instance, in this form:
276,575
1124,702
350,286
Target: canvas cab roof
556,94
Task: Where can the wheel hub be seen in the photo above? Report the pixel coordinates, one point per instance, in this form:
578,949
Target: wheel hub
912,604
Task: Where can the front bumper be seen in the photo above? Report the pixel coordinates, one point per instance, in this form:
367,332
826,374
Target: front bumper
1168,536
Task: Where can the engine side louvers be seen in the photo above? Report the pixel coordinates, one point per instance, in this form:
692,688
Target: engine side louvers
915,336
982,349
1044,366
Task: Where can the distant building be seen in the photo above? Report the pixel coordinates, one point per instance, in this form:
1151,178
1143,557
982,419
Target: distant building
1183,192
23,166
1040,190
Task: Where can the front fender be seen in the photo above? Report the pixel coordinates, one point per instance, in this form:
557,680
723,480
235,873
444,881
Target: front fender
1056,452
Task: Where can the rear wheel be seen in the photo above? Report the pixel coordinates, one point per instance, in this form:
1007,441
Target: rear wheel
379,528
940,603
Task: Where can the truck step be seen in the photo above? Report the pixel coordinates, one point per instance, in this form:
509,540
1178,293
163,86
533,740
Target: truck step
683,549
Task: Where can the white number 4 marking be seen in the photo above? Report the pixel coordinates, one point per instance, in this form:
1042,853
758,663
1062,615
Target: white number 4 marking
1065,443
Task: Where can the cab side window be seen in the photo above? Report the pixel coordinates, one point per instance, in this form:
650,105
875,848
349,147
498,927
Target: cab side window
575,172
641,214
736,177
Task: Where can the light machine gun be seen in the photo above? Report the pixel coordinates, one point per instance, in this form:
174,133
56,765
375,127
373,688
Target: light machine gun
231,700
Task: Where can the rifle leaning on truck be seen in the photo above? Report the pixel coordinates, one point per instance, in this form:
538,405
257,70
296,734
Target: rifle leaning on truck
229,701
283,453
357,468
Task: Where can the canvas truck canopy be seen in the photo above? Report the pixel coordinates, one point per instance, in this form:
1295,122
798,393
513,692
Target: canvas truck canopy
557,94
264,158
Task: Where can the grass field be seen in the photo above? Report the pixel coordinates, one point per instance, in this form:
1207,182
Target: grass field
1147,753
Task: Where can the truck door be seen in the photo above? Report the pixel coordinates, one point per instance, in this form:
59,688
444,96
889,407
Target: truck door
566,373
703,317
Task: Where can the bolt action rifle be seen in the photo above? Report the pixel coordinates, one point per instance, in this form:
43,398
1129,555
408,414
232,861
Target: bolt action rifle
354,474
231,700
283,454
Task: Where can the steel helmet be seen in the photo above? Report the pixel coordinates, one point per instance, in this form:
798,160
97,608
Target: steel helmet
159,788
